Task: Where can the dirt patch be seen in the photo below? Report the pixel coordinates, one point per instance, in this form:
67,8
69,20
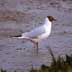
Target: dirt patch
13,15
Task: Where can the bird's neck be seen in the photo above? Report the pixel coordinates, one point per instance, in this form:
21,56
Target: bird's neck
47,26
47,22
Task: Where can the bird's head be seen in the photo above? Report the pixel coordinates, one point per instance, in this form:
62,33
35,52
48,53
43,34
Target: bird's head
51,18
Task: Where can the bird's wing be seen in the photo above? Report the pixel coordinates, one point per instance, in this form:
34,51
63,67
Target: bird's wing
35,32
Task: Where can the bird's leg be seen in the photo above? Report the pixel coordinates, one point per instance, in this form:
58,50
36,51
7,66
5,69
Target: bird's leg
36,44
37,48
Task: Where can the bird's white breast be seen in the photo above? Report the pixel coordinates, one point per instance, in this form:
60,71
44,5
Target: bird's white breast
47,27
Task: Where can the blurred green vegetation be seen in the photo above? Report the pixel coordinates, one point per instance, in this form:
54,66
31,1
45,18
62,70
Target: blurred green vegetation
2,70
57,65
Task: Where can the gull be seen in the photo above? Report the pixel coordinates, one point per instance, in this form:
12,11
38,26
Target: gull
38,33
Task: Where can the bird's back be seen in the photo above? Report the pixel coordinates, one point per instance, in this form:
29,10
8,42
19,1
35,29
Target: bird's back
43,30
35,32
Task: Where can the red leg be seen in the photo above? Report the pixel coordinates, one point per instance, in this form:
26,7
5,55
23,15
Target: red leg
37,48
35,44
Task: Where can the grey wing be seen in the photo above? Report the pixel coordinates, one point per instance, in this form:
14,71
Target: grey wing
35,32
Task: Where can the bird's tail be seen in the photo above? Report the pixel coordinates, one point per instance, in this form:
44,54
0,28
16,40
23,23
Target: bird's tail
19,36
24,37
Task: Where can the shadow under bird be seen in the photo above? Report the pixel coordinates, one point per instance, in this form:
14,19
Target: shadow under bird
38,33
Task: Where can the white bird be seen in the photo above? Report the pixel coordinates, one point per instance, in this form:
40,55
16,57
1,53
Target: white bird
39,33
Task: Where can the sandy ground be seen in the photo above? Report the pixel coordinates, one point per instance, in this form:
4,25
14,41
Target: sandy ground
20,55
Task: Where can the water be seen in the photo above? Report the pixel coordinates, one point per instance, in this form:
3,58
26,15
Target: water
19,54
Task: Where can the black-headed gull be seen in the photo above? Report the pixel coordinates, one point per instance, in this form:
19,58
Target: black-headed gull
39,33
